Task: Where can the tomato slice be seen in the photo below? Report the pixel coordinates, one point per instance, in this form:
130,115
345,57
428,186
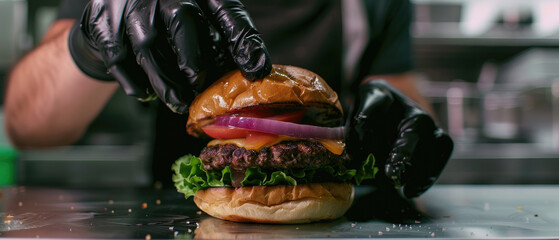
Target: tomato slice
294,117
221,132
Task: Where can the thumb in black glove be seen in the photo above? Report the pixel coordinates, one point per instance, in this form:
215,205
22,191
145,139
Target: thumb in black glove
167,47
410,149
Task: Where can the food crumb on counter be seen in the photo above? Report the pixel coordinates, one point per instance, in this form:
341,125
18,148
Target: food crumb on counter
158,202
199,213
20,204
148,237
520,208
144,205
536,215
111,202
8,219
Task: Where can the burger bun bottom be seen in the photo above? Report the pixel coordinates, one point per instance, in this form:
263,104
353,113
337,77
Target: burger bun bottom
277,204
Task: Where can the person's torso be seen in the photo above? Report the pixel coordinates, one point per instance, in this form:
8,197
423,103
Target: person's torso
306,34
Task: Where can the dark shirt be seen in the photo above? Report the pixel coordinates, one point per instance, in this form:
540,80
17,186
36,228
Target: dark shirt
307,34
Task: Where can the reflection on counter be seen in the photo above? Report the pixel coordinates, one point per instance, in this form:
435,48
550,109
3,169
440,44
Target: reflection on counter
458,212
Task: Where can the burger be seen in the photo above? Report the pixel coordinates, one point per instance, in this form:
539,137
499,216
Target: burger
277,153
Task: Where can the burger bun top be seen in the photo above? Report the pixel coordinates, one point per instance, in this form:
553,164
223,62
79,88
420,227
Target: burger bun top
285,87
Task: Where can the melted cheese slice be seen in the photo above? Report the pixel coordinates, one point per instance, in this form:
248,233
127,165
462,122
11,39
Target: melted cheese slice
334,146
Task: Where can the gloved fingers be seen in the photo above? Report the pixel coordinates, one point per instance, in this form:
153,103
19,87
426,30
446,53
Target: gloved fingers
162,73
97,41
368,123
133,81
153,51
243,40
418,127
105,28
374,100
188,34
140,25
429,162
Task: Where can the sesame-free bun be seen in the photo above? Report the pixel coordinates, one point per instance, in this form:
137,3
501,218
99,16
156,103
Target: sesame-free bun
284,87
277,204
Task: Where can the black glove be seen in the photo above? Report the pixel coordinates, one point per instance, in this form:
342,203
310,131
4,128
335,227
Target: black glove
410,149
171,48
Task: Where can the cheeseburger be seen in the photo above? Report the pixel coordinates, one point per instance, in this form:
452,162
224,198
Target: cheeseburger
277,154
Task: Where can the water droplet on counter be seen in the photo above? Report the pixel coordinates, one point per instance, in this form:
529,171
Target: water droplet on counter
353,224
129,210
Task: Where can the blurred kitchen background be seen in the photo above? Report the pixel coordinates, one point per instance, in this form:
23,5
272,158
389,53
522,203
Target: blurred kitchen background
490,68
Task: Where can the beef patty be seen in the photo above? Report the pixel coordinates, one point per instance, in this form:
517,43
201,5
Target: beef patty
288,154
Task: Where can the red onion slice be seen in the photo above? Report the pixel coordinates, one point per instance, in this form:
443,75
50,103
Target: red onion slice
281,128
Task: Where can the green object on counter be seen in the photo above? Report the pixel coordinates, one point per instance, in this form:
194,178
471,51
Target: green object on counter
7,166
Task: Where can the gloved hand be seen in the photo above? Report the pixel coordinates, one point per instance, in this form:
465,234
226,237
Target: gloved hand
410,149
168,47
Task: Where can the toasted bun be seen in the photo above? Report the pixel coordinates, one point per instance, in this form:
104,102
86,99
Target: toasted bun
277,204
285,86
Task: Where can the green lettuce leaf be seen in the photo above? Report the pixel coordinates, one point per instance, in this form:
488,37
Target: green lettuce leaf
190,176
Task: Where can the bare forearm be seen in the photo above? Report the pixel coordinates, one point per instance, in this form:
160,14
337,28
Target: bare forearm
49,101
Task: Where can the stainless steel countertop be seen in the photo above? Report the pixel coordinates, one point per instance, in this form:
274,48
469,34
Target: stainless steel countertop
445,211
